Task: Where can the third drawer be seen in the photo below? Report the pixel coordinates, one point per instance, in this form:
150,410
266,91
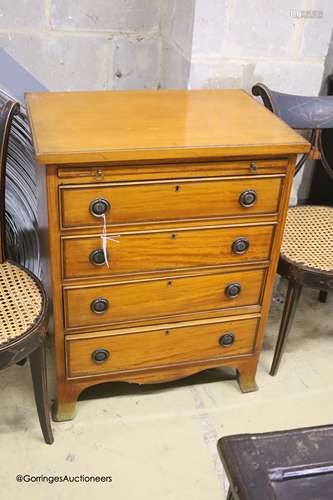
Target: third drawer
103,305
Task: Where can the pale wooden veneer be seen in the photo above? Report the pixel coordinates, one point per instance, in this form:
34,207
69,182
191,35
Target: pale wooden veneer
141,171
153,349
165,250
160,297
172,166
180,198
86,127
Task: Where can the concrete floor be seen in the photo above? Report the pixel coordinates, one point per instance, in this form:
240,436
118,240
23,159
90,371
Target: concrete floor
159,443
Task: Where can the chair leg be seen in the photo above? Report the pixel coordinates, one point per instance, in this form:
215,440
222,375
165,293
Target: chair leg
229,495
322,297
39,380
293,295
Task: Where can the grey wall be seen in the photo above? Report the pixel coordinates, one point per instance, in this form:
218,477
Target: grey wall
177,20
84,44
127,44
280,42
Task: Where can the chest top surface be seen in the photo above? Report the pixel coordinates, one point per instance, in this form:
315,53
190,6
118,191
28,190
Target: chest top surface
106,126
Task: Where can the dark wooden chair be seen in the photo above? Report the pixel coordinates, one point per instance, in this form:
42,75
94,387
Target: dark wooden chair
23,300
285,465
307,249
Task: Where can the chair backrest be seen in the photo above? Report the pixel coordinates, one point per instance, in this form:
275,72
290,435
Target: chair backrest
8,108
301,112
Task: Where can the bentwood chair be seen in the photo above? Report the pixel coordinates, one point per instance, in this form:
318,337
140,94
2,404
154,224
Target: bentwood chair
23,300
307,249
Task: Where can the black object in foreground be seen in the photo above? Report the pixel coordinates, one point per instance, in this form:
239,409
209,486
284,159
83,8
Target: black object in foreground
285,465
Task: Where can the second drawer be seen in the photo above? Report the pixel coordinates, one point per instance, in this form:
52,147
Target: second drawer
165,250
111,303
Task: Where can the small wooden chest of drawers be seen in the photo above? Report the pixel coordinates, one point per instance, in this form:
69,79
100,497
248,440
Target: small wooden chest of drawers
165,217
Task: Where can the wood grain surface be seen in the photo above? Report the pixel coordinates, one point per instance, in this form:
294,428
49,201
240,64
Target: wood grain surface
177,199
80,127
160,297
160,347
165,250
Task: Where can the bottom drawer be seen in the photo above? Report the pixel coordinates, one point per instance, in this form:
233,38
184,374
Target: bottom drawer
160,347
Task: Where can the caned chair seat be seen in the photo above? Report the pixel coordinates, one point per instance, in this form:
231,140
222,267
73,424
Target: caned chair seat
21,302
308,238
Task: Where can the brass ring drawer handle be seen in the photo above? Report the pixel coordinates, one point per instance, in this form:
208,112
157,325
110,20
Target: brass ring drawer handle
227,339
248,198
99,305
99,207
240,246
100,356
97,257
233,290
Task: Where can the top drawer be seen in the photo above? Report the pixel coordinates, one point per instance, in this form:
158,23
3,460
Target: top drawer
126,203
